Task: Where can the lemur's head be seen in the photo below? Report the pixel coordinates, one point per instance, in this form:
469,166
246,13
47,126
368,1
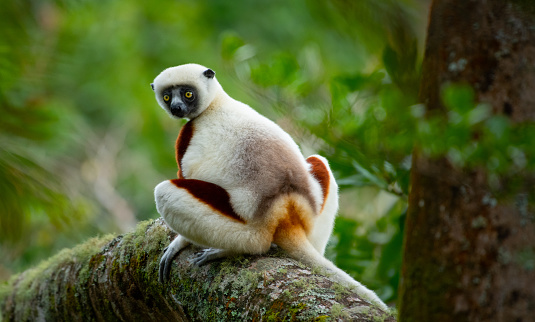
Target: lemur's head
185,91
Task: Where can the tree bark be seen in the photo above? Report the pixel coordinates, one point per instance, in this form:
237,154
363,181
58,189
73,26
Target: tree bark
110,279
469,246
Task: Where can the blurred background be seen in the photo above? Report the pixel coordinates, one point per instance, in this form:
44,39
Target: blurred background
83,141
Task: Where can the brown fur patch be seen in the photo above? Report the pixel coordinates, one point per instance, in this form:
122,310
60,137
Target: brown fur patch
293,225
182,143
321,173
274,171
210,194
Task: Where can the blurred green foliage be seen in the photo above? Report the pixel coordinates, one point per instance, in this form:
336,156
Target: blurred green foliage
83,142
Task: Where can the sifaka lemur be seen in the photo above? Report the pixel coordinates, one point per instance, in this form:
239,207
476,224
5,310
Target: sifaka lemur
243,183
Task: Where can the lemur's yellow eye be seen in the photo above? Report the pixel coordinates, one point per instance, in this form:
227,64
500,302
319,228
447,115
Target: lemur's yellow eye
188,94
166,98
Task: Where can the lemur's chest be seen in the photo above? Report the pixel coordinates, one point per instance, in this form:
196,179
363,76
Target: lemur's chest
206,153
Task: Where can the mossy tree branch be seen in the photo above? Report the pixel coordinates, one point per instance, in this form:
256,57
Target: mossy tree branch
117,279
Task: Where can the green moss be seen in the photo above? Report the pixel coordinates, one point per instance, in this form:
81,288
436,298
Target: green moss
85,260
301,283
79,255
72,299
159,237
64,257
242,260
296,309
279,310
84,251
287,293
337,311
272,314
319,270
85,272
139,235
339,290
362,310
52,302
250,278
27,283
136,242
135,245
228,267
383,317
5,289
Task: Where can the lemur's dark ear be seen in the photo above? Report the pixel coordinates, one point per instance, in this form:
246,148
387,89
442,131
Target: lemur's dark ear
152,86
209,73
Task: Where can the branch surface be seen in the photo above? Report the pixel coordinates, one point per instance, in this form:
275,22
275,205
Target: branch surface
116,278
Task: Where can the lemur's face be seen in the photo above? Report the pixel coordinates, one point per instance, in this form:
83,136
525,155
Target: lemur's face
181,101
185,91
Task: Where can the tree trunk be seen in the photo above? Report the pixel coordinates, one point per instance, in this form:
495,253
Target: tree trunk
469,246
112,279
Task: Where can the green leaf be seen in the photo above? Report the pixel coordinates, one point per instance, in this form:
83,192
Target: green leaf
377,181
391,60
498,126
458,97
230,43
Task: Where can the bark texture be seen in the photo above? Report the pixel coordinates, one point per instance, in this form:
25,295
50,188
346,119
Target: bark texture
111,279
469,249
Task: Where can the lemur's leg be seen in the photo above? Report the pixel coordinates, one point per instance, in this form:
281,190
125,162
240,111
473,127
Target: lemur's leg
323,225
201,212
170,252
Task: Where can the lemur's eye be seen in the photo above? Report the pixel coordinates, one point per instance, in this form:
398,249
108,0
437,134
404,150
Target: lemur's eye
188,94
166,98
